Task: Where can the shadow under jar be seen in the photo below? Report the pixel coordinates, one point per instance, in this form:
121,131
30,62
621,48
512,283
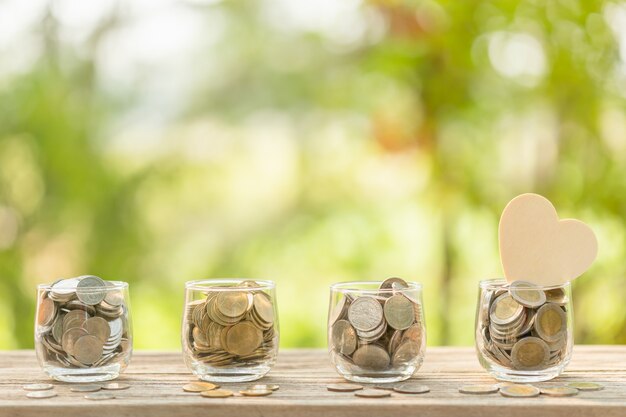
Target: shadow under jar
376,330
230,329
524,333
83,329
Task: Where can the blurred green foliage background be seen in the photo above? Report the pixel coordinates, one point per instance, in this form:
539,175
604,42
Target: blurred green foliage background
158,142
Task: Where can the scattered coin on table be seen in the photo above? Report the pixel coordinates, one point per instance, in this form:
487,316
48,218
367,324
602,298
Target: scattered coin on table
479,389
271,387
343,387
411,388
38,387
217,393
372,393
519,390
99,396
585,386
115,386
256,392
199,386
559,391
41,394
85,388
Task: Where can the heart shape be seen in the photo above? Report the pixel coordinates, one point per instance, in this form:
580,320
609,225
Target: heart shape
536,246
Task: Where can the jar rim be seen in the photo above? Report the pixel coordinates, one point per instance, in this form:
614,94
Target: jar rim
114,285
353,286
494,283
227,284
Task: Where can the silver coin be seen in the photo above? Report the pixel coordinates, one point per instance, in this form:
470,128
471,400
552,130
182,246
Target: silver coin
115,386
38,387
85,388
41,394
99,396
411,388
91,290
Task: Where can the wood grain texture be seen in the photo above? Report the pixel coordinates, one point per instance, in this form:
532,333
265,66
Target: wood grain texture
156,380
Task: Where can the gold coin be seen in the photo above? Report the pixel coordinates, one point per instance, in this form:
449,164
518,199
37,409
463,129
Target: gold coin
585,386
551,322
217,393
505,310
372,393
263,307
399,312
530,353
411,388
47,312
232,303
527,294
256,392
559,391
343,387
371,357
199,386
243,338
272,387
343,337
556,296
479,389
519,390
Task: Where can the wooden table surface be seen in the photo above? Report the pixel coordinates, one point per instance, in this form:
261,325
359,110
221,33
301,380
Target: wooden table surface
156,380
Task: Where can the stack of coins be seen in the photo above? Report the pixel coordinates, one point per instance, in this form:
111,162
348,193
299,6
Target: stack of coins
378,331
232,327
523,327
82,322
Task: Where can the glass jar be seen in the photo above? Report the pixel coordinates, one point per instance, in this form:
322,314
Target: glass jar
523,331
83,329
230,329
376,330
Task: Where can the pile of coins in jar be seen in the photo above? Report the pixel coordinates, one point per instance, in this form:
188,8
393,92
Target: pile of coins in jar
524,327
231,328
377,331
82,323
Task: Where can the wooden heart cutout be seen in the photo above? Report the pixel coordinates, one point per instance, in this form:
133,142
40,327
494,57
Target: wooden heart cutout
536,246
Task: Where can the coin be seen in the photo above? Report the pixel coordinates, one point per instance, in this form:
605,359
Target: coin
85,388
505,310
406,353
88,349
217,393
37,387
371,357
99,396
91,290
232,304
551,322
98,327
519,390
559,391
243,338
411,388
556,296
393,283
527,294
399,312
272,387
372,393
479,389
365,313
199,386
256,392
41,394
343,339
115,386
585,386
70,337
530,353
343,387
46,312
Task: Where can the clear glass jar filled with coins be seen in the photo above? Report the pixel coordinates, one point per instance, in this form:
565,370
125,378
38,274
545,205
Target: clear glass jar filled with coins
376,330
230,329
83,329
524,332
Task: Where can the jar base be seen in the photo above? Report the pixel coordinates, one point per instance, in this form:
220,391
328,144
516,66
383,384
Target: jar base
214,374
84,375
376,379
